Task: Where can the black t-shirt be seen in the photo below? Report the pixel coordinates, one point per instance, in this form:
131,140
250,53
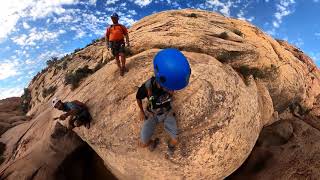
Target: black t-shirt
68,106
162,99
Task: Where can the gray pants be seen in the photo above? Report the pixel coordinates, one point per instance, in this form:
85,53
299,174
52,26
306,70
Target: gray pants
170,125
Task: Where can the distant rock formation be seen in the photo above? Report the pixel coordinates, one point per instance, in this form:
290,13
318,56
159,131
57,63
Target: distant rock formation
11,114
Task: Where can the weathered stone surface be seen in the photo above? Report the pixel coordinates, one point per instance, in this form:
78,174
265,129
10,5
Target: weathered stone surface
293,156
242,80
11,114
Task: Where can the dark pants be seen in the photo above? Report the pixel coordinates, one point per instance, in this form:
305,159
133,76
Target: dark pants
117,47
82,118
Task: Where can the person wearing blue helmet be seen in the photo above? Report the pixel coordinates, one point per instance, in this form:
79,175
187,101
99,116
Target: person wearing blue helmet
172,72
114,38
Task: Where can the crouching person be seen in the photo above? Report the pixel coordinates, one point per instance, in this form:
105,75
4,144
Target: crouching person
172,72
76,110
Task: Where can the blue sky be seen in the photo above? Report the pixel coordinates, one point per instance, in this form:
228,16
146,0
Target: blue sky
32,31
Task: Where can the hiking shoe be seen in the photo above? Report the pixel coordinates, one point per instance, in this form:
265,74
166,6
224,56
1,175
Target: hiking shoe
121,72
154,144
87,125
170,150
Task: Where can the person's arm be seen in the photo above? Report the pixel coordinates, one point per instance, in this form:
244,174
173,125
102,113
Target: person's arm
143,116
107,37
170,92
126,34
127,40
72,112
149,92
139,102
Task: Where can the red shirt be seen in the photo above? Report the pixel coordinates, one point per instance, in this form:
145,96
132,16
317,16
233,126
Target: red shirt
116,32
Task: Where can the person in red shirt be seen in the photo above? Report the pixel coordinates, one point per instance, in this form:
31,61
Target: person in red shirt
115,35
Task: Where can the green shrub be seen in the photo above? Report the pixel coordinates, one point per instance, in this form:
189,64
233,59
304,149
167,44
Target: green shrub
35,77
50,91
77,50
93,41
128,52
237,32
227,56
192,15
64,65
58,67
224,35
255,72
2,150
25,100
267,72
75,77
99,66
52,61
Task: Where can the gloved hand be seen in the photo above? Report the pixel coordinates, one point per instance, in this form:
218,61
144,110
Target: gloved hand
151,101
63,117
109,45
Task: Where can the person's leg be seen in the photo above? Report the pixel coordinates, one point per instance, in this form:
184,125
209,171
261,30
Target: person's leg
147,131
123,61
170,125
119,65
123,57
84,118
115,52
78,123
71,123
118,61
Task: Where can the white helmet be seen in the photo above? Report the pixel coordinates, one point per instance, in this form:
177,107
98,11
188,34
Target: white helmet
55,100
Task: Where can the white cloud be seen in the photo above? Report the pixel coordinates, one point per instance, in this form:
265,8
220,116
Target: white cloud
216,5
241,16
29,62
127,21
142,3
298,42
10,92
13,10
93,2
275,24
64,19
48,54
315,56
8,69
111,2
26,25
284,8
80,34
35,36
317,34
132,12
224,6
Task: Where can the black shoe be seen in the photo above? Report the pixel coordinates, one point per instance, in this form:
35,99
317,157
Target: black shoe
87,125
171,149
154,144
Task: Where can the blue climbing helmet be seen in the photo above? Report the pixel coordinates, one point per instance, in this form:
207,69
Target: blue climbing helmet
172,69
115,15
